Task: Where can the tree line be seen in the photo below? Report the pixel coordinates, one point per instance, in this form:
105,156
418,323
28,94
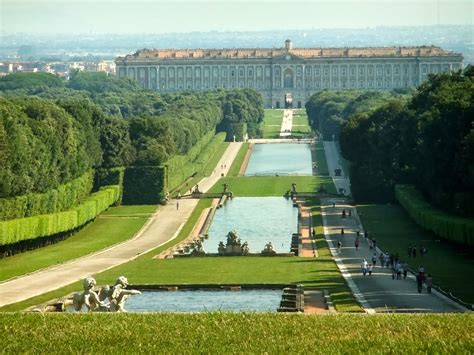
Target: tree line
426,139
53,130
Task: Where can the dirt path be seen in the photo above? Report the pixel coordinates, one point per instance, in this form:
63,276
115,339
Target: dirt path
162,227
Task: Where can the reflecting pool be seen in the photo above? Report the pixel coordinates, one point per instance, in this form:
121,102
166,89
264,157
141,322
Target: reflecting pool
284,159
257,220
264,300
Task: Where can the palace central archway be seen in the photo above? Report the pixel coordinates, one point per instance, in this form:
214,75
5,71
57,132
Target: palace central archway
288,78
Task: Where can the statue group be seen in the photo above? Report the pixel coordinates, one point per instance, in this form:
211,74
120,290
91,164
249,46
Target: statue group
233,246
108,299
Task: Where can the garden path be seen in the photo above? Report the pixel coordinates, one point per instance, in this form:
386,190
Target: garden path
379,292
333,159
162,227
286,123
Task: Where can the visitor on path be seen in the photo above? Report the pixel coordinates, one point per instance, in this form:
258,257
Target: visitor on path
429,283
374,259
421,271
414,252
370,269
358,233
350,213
374,244
419,282
405,271
177,205
343,214
342,231
314,233
366,235
409,250
339,245
371,245
364,266
387,260
334,205
356,243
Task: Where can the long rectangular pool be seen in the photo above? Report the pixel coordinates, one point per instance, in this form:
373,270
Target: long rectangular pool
257,220
265,300
283,158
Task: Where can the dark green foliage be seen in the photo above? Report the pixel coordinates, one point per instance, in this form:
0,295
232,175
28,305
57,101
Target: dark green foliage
427,141
242,111
29,81
327,110
107,177
456,229
143,185
16,230
56,200
97,83
43,146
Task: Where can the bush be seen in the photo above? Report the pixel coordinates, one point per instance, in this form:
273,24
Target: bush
456,229
107,177
143,185
17,230
56,200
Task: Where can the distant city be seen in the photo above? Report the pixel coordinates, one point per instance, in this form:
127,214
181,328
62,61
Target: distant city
60,53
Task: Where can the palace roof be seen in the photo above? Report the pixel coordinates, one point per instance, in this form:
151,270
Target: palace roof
268,53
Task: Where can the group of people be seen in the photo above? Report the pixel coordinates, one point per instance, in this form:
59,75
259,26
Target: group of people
413,252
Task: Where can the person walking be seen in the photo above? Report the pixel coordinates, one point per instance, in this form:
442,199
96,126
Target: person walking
409,250
429,283
374,259
419,282
364,266
177,205
370,269
356,243
405,271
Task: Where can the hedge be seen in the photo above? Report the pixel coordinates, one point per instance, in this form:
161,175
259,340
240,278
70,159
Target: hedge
108,177
456,229
60,199
143,185
16,230
181,167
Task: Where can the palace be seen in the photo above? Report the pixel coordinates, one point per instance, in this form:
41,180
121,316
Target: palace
286,75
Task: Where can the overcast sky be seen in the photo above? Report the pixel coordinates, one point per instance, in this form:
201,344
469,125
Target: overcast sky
159,16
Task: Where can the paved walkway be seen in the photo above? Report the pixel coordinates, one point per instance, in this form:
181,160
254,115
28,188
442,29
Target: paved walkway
162,227
379,292
286,123
333,159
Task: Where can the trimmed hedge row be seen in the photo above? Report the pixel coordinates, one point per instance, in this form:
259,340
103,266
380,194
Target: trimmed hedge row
180,167
143,185
456,229
52,201
16,230
108,177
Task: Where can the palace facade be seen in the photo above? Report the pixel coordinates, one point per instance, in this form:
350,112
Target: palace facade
284,73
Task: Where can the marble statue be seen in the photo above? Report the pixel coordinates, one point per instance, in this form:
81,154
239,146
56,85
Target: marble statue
268,250
119,295
88,297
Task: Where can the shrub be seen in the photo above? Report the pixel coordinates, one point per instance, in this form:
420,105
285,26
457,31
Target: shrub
456,229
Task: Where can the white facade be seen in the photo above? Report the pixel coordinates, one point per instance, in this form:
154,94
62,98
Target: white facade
277,72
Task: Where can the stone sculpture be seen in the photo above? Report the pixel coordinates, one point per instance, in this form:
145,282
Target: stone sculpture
198,250
268,250
88,297
119,295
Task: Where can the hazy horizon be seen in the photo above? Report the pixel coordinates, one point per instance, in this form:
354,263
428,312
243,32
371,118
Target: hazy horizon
159,17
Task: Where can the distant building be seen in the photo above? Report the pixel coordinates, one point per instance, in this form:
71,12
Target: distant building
281,74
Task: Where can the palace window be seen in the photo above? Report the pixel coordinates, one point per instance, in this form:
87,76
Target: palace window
343,71
224,72
298,71
308,71
379,72
361,71
232,73
241,72
352,71
250,72
326,71
317,71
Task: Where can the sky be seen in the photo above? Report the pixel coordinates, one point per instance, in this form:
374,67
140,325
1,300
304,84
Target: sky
164,16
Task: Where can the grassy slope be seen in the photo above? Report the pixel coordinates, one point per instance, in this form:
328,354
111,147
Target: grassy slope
300,123
321,159
239,159
100,234
448,263
273,185
239,332
272,123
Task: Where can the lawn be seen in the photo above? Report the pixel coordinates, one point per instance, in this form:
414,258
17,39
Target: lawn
273,185
132,210
448,263
272,123
208,169
321,162
300,124
223,333
97,235
238,161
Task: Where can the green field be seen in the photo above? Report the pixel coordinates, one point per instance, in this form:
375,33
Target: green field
223,333
273,185
321,162
394,230
300,124
97,235
272,123
239,159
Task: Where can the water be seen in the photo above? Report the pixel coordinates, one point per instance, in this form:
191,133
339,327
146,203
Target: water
205,301
285,159
257,220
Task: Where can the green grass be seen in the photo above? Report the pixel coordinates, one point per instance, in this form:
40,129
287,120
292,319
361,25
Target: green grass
272,185
208,169
223,333
119,270
238,161
300,124
272,123
448,263
321,159
100,234
130,210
